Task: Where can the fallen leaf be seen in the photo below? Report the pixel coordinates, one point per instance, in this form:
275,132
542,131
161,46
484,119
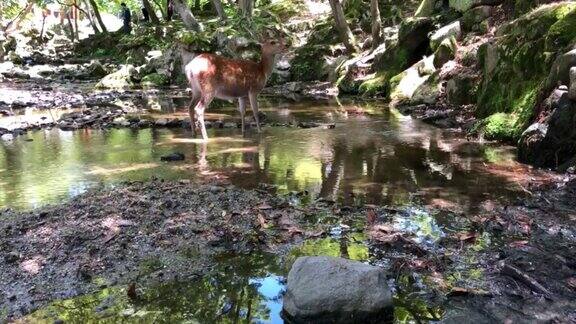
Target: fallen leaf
262,221
466,236
571,282
518,244
384,228
264,207
370,216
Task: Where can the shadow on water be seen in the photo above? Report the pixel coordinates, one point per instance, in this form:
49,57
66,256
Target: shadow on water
374,155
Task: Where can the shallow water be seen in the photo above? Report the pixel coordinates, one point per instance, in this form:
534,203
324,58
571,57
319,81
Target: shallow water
373,155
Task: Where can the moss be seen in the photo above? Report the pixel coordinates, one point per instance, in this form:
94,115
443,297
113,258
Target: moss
499,126
513,85
377,85
563,32
308,63
155,79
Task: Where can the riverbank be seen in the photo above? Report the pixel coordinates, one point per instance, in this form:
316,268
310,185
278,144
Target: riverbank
510,257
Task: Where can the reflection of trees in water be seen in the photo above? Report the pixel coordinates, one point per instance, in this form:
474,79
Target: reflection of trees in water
226,295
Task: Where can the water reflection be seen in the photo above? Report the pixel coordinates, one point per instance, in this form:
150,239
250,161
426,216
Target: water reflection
241,289
374,155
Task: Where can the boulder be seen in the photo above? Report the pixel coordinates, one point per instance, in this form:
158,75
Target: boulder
560,71
445,52
124,78
404,85
551,145
451,31
465,5
325,289
96,70
572,89
461,89
473,17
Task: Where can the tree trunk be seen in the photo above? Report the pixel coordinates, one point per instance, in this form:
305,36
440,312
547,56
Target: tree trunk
90,17
426,8
342,26
151,12
219,9
246,7
15,23
161,8
98,17
186,15
376,24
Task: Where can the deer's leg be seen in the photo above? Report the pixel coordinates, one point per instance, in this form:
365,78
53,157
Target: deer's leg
254,103
192,114
200,108
242,108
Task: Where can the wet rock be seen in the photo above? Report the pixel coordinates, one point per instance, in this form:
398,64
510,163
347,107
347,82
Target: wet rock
308,125
12,257
96,70
551,145
173,157
473,17
560,71
16,75
334,290
445,52
460,90
126,77
572,90
452,30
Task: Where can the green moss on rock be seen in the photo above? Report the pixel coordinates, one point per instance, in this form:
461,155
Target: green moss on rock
499,126
377,85
516,66
155,79
309,63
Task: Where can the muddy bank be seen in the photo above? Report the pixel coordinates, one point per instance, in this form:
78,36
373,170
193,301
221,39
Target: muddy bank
151,231
515,261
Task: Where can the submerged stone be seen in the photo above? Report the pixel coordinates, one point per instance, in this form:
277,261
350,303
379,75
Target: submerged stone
173,157
325,289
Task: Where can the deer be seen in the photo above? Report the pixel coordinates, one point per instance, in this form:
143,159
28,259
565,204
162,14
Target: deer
213,76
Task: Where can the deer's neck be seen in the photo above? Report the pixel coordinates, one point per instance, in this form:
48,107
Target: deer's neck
267,64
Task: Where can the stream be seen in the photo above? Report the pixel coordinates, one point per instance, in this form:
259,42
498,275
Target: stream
373,155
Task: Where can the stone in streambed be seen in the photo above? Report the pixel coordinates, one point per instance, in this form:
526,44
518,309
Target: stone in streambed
334,290
173,157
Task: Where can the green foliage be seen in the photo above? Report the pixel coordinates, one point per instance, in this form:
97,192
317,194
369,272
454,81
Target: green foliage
286,9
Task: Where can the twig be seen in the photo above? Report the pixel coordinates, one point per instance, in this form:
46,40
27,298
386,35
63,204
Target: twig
526,279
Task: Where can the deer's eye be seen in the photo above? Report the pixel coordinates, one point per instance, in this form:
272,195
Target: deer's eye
273,42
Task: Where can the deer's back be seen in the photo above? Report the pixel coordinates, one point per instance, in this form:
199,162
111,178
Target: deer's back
226,78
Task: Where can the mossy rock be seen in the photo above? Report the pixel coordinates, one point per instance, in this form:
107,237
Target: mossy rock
126,77
155,80
377,85
500,126
309,63
516,66
445,52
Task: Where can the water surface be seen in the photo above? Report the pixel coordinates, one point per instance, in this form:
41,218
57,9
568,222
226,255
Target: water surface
373,155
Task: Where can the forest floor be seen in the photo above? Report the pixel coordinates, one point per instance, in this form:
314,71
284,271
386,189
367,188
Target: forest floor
143,232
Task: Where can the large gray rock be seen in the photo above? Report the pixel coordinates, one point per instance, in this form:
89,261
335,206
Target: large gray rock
551,144
475,16
452,30
572,91
559,73
124,78
334,290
